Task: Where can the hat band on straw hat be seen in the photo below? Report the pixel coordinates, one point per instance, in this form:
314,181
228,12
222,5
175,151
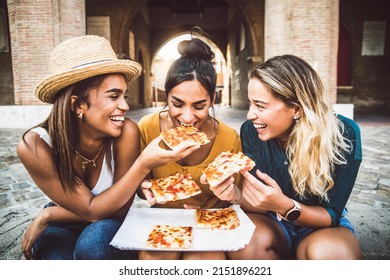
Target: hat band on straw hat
90,63
93,55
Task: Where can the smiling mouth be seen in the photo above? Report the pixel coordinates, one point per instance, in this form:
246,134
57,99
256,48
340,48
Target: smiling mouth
260,126
117,118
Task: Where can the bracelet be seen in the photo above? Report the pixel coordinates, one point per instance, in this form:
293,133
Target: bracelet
238,195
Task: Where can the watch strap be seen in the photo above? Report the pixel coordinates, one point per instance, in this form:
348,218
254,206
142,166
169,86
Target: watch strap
296,207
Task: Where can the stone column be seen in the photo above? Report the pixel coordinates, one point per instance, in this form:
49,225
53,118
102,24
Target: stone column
35,28
308,29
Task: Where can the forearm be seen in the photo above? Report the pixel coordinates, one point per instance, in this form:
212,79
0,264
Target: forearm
101,206
247,207
314,217
58,214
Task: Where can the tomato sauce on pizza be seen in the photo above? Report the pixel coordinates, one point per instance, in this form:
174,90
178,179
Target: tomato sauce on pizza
174,187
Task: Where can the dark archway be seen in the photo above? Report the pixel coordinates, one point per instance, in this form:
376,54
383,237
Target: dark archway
344,58
141,82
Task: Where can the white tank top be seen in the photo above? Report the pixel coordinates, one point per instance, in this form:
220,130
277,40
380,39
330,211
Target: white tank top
106,178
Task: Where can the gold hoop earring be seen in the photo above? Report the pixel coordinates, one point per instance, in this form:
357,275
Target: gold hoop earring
80,115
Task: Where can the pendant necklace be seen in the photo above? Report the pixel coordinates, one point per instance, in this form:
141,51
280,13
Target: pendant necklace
85,160
284,154
285,157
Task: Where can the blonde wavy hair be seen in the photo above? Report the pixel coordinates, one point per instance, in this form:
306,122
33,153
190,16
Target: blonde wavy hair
316,143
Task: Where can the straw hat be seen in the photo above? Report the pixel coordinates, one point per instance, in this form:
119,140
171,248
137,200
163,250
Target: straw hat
80,58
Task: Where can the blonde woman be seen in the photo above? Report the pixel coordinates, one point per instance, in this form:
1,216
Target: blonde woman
307,159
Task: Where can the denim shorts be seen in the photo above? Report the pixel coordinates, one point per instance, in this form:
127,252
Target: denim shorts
86,241
295,233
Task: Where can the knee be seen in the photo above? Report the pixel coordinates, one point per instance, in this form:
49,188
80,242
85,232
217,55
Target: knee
94,242
214,255
84,250
93,248
328,250
161,255
259,248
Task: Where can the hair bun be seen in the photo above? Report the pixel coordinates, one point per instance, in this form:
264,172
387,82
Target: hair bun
195,48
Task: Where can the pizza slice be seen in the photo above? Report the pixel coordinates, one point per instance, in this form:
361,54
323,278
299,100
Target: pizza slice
225,165
174,187
177,135
222,219
169,237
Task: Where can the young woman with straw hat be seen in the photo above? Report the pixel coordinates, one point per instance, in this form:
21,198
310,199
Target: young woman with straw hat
86,155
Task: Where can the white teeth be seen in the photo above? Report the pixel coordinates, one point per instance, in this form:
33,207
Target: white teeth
186,124
259,126
118,118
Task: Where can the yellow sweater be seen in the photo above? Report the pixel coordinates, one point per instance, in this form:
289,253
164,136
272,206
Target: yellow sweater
227,139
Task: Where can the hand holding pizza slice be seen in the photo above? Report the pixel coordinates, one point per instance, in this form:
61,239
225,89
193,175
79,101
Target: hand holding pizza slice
225,165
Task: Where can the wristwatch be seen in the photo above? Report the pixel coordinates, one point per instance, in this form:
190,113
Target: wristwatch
292,214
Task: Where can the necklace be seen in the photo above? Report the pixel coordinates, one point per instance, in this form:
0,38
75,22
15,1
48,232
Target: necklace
285,162
85,160
285,157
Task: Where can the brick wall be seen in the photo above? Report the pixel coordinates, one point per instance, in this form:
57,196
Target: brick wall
36,27
308,29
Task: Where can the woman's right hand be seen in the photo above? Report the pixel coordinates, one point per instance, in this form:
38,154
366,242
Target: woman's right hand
226,191
34,230
154,156
265,195
145,187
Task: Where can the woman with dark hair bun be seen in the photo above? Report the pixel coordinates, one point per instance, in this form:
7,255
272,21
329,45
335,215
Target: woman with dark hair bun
190,93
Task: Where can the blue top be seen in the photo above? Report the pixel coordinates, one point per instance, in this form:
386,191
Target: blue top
269,158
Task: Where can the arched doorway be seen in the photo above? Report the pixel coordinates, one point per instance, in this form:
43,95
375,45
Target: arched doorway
168,53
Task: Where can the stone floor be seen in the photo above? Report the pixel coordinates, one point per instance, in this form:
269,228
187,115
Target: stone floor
369,204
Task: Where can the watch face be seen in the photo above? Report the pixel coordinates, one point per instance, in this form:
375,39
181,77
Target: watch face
293,215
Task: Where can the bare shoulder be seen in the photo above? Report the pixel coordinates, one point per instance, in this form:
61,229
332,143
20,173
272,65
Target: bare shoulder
36,156
130,134
31,144
129,130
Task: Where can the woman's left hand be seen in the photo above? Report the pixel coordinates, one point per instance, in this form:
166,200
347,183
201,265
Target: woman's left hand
227,190
34,230
265,196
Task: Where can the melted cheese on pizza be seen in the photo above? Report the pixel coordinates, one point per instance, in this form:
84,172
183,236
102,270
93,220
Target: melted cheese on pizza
170,237
177,135
174,187
223,219
225,165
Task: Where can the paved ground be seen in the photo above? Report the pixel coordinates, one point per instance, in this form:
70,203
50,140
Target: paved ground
369,205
